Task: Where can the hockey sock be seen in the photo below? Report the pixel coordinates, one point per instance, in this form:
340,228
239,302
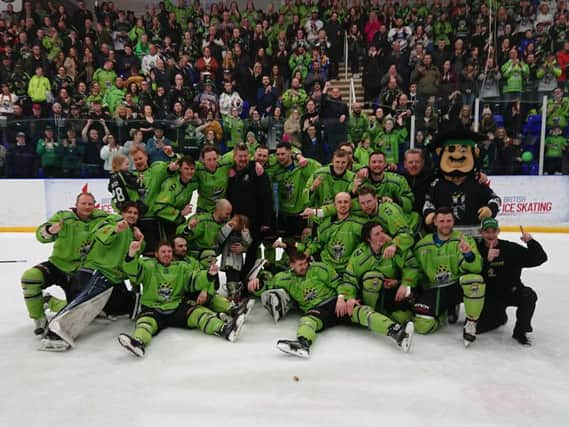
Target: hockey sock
220,304
372,284
425,324
308,327
206,320
32,282
146,327
473,289
376,322
56,304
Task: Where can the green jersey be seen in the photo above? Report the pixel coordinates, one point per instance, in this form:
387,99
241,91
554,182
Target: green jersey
212,186
331,185
442,263
291,183
235,128
173,197
109,249
555,146
73,240
336,240
364,265
152,179
319,285
164,287
388,144
358,126
395,187
203,236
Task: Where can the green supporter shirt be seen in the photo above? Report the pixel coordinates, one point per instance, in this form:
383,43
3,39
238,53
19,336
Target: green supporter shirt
388,144
74,239
164,287
291,182
395,187
364,265
203,236
336,240
49,153
358,125
555,146
173,197
318,286
331,185
109,249
442,263
212,186
235,128
105,78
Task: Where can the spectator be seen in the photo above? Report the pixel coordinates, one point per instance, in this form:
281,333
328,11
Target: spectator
21,159
72,152
109,150
158,146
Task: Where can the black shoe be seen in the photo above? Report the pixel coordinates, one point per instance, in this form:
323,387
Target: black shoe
402,334
522,338
299,348
452,316
232,328
134,345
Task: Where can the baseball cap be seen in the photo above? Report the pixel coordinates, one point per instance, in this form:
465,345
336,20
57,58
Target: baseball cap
489,223
20,134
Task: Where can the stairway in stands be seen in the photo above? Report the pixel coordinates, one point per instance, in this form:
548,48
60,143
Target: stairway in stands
343,82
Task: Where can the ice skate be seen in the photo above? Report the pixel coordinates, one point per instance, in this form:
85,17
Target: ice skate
298,348
244,307
233,328
453,313
257,267
40,326
52,342
403,335
134,345
469,332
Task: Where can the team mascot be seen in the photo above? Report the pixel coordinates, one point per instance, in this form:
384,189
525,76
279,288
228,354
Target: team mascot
458,185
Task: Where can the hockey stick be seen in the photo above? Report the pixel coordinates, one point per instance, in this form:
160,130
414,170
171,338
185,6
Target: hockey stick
11,261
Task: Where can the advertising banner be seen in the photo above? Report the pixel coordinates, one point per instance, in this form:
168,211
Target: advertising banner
61,193
533,200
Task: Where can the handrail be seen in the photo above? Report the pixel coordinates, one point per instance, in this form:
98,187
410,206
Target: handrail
542,135
352,96
346,54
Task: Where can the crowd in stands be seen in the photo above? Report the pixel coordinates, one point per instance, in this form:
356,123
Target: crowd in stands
78,88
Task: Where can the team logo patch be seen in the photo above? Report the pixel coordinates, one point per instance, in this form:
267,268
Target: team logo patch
289,189
338,250
165,291
443,274
310,294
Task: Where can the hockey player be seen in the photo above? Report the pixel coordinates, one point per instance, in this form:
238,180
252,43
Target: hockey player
201,232
450,265
337,236
503,263
389,186
101,280
213,178
172,204
382,281
70,230
165,284
291,178
314,286
329,180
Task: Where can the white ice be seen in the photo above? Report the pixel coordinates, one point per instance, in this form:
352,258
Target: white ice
352,378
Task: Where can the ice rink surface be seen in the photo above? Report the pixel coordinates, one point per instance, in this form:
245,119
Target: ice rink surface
353,378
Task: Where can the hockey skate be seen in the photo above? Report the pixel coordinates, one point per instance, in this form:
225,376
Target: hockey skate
298,348
244,307
469,332
257,267
277,302
453,313
51,342
233,328
402,334
134,345
40,326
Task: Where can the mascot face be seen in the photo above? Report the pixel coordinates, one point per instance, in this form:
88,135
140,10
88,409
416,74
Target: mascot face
457,159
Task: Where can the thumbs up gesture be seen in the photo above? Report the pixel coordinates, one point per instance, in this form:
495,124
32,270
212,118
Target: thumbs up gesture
463,245
55,228
493,253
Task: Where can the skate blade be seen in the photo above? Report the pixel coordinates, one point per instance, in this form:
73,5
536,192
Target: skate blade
249,307
408,341
125,342
303,354
240,322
